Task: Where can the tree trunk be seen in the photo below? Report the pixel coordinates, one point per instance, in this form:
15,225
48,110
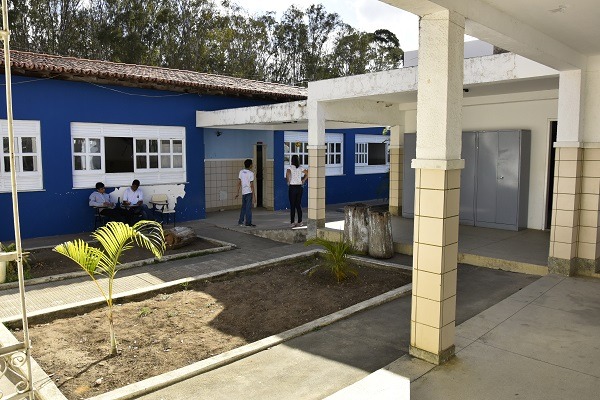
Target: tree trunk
178,237
356,227
381,244
111,327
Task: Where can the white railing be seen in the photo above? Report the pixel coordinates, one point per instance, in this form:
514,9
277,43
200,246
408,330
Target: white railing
15,359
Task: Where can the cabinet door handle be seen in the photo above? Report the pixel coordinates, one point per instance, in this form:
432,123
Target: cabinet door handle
501,177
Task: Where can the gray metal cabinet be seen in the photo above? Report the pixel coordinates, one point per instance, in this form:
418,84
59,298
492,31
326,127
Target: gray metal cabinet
494,182
502,179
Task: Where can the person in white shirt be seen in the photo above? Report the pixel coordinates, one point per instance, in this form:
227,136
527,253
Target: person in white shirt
133,199
246,185
296,175
101,200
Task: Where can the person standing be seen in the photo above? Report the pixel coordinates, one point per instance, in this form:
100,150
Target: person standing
246,185
296,175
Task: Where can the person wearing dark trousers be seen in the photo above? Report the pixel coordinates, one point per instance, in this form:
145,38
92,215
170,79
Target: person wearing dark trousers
246,185
101,200
296,175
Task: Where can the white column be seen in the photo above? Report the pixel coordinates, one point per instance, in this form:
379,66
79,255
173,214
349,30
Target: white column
437,186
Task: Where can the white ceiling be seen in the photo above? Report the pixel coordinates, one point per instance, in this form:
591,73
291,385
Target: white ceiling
557,33
576,23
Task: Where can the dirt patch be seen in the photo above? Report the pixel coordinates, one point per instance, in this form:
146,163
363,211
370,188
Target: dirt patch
45,262
172,330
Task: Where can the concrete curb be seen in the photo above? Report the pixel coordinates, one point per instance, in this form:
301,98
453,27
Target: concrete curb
223,246
161,381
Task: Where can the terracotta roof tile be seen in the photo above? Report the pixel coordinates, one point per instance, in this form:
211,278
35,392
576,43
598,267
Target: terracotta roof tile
147,76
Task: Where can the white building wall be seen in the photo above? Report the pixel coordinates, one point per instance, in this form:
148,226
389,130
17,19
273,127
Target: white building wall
533,112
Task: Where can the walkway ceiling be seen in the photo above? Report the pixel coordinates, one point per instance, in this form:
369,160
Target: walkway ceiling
557,33
376,99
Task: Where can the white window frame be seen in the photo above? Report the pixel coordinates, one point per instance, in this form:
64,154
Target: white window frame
148,176
361,159
331,139
26,180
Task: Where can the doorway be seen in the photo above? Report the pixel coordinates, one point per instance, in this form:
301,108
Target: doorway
551,159
260,165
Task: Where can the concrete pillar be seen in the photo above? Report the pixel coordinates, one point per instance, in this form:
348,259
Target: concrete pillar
316,168
396,148
437,186
575,231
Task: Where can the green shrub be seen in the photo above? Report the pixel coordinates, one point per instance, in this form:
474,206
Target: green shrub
335,258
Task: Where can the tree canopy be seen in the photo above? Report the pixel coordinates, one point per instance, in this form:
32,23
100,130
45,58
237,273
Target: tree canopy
204,35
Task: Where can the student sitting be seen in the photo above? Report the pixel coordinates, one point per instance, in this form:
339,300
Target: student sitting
101,200
133,199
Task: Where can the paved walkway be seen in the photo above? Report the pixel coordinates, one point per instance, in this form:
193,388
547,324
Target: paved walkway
518,336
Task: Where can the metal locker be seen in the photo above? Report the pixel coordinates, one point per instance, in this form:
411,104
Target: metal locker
467,178
408,175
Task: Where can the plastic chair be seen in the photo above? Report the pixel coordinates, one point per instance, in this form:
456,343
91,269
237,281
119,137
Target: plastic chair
160,206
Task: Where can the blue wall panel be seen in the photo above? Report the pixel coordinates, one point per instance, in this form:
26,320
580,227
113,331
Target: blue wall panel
345,188
60,209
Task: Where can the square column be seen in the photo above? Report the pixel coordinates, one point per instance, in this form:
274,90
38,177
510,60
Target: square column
396,148
316,168
588,235
435,255
437,186
575,232
565,211
316,189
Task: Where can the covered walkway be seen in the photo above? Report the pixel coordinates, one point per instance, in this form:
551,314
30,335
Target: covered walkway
518,251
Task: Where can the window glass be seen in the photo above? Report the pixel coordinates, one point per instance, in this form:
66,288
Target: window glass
153,161
78,145
78,163
165,146
177,161
95,145
177,146
29,163
95,162
165,161
153,146
140,145
140,162
7,164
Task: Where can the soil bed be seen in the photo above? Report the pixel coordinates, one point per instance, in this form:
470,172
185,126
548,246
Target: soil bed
45,262
172,330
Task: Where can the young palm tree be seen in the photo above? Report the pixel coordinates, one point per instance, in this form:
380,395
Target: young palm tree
336,257
115,238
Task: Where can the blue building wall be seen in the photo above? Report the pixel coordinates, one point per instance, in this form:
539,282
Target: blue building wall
235,143
348,187
60,209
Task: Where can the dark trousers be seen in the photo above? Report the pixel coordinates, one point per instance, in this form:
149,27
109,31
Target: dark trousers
295,193
246,210
115,214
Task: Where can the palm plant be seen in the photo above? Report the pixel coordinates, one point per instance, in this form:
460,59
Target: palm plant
336,257
114,238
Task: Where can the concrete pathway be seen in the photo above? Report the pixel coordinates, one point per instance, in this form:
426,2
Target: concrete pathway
44,297
320,363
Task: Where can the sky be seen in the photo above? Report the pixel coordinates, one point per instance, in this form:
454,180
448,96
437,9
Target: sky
364,15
